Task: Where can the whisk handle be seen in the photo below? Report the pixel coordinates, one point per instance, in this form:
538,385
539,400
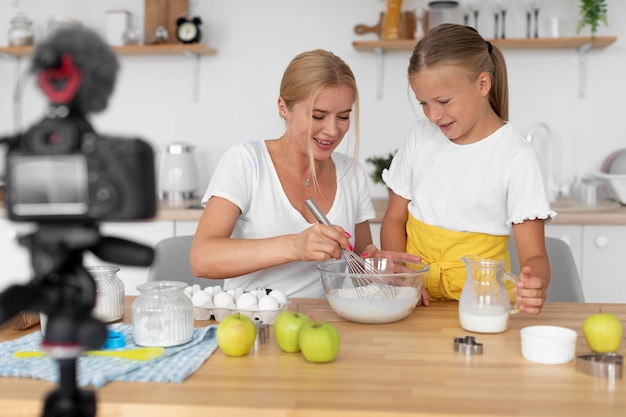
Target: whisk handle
317,212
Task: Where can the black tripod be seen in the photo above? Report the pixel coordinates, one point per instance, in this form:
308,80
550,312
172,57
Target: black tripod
63,290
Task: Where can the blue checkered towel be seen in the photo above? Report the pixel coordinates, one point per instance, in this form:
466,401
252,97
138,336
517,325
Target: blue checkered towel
175,365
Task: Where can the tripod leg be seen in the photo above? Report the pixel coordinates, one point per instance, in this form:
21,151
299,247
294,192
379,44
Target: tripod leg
68,400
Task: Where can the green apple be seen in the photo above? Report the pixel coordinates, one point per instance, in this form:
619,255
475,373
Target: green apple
603,332
319,342
236,334
287,329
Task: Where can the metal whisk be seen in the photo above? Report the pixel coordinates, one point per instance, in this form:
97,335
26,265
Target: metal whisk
374,283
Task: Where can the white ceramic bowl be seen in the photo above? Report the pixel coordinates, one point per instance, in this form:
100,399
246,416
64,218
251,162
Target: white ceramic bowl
548,344
350,296
616,185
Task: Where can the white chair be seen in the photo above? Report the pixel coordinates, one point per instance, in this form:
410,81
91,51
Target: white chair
565,283
171,263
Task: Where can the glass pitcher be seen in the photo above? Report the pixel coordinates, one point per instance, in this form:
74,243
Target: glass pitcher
484,306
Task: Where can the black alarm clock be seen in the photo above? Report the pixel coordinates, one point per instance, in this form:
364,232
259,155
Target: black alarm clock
188,30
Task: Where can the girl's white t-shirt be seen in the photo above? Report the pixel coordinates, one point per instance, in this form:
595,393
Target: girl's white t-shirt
246,176
483,187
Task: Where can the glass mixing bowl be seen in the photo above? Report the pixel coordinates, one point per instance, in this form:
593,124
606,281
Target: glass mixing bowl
386,296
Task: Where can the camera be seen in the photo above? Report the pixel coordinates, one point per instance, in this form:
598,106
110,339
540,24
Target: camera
67,179
61,170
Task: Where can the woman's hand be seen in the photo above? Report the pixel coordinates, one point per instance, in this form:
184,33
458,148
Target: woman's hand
320,243
530,291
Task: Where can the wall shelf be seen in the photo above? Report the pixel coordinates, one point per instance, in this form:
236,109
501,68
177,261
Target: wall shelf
520,43
194,51
161,49
582,43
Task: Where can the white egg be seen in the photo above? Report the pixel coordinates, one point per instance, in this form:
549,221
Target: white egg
268,303
200,298
279,296
235,292
188,291
209,290
222,299
254,292
195,288
247,301
208,304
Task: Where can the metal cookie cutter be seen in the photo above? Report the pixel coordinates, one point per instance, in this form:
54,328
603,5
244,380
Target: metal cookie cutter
602,365
468,345
262,332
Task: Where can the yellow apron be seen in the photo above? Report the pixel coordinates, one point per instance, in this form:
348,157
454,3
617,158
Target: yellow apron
443,249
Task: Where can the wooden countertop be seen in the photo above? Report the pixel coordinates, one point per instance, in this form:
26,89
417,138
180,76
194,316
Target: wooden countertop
407,368
569,212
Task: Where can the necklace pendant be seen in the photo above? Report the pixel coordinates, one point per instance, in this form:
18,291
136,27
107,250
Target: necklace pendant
307,183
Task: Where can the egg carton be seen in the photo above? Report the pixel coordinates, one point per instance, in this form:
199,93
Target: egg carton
218,314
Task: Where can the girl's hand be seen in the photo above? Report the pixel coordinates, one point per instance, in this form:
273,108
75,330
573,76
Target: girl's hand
424,299
530,291
372,251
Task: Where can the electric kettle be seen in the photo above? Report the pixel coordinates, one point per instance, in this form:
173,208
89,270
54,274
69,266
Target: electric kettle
178,174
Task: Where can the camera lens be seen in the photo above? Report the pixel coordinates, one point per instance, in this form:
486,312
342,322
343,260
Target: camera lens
53,137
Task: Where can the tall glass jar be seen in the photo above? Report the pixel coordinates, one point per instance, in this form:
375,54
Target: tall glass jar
162,315
110,293
21,31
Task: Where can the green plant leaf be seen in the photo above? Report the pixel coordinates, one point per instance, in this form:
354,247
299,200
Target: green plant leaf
592,13
380,163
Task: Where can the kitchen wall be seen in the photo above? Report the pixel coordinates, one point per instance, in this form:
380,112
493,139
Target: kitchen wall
238,87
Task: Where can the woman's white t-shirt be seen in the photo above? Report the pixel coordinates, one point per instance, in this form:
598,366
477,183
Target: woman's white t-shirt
483,187
246,176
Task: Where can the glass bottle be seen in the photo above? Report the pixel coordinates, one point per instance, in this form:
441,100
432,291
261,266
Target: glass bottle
162,315
393,23
21,30
110,293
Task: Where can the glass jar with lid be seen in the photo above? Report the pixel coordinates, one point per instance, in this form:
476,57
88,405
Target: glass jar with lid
21,30
162,315
110,293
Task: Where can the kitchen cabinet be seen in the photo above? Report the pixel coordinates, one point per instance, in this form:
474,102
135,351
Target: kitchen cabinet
604,275
598,252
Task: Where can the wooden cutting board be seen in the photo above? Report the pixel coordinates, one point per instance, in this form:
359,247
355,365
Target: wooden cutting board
164,13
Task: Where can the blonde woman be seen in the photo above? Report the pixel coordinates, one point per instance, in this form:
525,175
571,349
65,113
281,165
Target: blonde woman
255,229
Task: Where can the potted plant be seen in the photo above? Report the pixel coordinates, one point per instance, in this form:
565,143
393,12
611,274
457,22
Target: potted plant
380,163
592,13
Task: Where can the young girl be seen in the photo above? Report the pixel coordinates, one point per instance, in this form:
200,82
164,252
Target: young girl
465,178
